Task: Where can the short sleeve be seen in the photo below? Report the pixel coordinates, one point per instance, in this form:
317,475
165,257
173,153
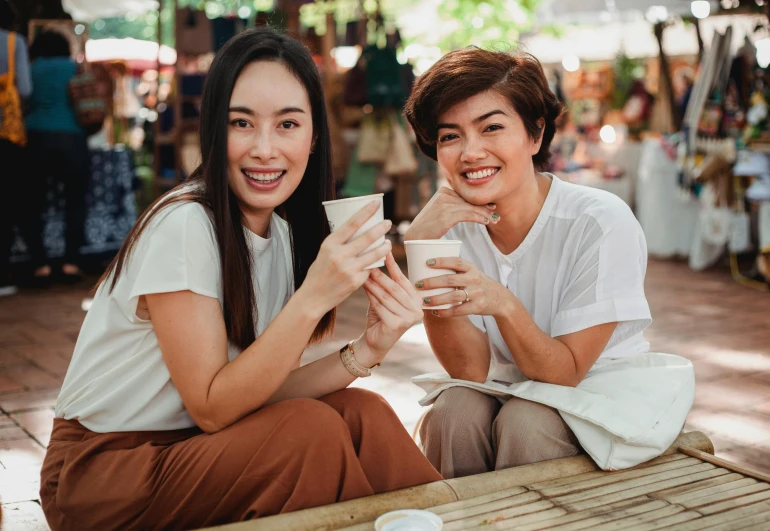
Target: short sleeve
178,253
23,77
606,281
459,232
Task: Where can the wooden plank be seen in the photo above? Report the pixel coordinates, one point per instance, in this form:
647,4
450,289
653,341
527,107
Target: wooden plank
737,502
496,516
717,489
665,523
573,517
518,521
632,521
637,482
491,507
726,495
742,523
479,500
727,478
611,516
721,518
601,473
614,477
694,452
640,491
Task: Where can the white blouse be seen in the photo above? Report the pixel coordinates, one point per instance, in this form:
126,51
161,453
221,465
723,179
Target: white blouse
582,264
117,380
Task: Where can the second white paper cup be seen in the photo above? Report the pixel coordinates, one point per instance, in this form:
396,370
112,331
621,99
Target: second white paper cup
339,211
418,252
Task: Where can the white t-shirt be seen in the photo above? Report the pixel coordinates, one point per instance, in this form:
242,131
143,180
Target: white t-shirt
117,380
582,264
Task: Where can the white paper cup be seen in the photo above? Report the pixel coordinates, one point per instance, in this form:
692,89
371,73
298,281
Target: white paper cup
418,252
409,520
339,211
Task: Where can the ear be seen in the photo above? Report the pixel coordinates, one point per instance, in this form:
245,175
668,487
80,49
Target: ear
536,143
312,144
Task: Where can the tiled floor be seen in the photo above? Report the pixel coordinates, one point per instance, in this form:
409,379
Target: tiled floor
723,327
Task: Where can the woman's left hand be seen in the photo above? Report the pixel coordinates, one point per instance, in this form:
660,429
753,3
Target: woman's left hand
394,307
477,293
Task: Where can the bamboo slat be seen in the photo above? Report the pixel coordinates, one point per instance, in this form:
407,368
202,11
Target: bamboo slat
573,517
490,507
479,500
698,485
636,482
632,521
496,516
614,477
613,515
737,502
641,491
722,518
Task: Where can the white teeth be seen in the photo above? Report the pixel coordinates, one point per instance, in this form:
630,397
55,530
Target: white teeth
264,177
481,174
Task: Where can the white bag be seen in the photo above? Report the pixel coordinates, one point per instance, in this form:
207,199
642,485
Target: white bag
625,411
740,233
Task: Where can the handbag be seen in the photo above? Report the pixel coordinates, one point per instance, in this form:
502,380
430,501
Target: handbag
89,100
375,140
12,125
400,159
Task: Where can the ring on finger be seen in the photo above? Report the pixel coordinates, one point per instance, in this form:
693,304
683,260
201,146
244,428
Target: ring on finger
467,297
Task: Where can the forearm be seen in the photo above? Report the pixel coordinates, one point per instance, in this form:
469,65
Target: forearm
538,356
247,383
322,377
461,348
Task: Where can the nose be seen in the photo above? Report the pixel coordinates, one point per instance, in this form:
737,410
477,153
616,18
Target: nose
263,145
473,150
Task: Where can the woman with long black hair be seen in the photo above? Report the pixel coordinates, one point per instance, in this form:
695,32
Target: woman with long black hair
185,405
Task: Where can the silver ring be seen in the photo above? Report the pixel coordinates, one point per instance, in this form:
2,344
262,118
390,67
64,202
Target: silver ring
467,297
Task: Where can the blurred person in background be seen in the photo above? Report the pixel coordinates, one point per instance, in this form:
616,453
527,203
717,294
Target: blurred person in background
57,147
15,87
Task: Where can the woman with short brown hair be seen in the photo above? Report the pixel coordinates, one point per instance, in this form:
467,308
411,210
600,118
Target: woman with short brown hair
551,274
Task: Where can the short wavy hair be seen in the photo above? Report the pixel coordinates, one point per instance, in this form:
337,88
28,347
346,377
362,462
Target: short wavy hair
462,74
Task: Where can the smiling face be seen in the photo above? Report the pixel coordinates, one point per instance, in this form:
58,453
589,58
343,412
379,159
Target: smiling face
269,137
484,149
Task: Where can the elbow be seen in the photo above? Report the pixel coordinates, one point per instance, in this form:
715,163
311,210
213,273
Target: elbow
207,421
571,380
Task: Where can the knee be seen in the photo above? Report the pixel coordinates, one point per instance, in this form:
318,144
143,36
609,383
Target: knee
459,412
308,423
361,400
528,432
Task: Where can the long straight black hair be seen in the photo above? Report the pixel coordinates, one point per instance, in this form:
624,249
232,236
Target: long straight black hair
302,210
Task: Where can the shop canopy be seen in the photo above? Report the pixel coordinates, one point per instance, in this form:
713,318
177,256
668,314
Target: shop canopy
86,10
591,11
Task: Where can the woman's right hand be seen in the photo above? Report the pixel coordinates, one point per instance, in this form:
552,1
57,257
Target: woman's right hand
445,210
338,271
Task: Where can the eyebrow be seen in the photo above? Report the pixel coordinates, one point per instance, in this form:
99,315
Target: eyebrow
285,110
475,120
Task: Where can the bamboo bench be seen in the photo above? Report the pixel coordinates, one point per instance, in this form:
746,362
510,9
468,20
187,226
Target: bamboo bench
687,488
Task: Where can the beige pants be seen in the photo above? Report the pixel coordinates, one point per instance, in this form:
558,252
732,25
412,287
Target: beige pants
467,432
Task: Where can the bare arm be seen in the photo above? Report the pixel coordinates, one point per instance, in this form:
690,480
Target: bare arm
192,335
564,360
461,348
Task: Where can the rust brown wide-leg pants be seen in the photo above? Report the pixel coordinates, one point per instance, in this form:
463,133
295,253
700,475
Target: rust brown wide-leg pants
291,455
